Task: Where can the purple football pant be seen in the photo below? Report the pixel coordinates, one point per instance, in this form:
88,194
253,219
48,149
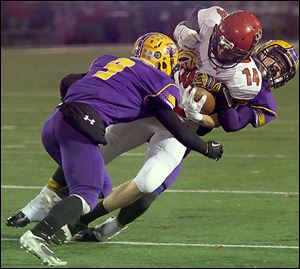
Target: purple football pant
81,160
169,180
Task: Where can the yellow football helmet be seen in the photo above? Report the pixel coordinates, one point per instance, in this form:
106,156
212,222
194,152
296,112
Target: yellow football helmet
278,61
157,50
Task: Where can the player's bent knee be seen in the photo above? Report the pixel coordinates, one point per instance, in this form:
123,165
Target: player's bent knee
85,206
144,186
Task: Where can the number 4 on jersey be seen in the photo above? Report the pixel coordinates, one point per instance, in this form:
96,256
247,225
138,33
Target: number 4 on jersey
255,76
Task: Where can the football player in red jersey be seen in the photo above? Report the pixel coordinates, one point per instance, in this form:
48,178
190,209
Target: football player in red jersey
223,44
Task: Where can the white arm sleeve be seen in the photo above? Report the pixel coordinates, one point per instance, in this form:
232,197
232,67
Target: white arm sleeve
208,18
186,38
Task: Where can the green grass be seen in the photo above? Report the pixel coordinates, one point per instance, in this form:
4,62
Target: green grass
264,159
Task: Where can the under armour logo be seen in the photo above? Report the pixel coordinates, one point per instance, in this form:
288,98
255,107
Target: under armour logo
86,117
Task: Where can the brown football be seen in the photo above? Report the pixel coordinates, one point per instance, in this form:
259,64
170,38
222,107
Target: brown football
210,103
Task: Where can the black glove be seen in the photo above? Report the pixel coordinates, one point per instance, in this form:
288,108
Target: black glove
214,150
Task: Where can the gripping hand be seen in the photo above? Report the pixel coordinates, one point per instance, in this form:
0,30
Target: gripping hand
214,150
192,108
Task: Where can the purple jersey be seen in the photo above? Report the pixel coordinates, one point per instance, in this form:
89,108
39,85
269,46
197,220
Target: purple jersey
264,106
258,111
119,89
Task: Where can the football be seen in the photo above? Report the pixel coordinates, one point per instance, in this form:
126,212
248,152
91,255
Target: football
210,103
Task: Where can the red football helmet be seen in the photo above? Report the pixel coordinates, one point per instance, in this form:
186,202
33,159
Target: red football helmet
234,39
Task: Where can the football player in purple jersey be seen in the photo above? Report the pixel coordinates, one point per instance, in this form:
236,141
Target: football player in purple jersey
258,112
114,90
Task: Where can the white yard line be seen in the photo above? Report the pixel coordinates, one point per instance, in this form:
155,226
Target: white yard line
235,192
177,191
139,154
179,244
200,245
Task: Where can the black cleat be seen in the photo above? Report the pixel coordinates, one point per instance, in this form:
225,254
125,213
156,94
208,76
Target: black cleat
86,235
65,233
77,227
18,220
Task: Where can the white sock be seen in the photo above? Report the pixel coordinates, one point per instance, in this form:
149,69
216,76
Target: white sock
111,227
35,209
108,229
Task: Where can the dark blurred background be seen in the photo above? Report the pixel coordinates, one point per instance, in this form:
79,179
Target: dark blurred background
88,22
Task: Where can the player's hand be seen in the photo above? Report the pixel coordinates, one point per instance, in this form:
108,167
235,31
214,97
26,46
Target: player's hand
176,75
187,59
192,108
186,38
207,82
214,150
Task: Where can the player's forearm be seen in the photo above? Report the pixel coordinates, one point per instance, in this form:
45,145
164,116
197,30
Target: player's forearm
210,121
187,38
232,120
183,133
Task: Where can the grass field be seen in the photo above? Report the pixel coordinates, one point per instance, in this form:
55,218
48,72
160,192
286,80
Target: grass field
243,211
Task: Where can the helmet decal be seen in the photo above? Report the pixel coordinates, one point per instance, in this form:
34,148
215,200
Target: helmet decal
139,45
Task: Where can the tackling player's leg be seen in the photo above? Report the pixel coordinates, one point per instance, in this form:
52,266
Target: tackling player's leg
128,214
115,225
121,138
38,208
63,147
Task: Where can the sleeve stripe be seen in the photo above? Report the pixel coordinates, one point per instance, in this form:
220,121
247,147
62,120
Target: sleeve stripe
170,104
154,95
267,109
261,119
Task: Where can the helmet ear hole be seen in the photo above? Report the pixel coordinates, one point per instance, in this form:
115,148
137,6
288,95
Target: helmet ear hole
159,66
